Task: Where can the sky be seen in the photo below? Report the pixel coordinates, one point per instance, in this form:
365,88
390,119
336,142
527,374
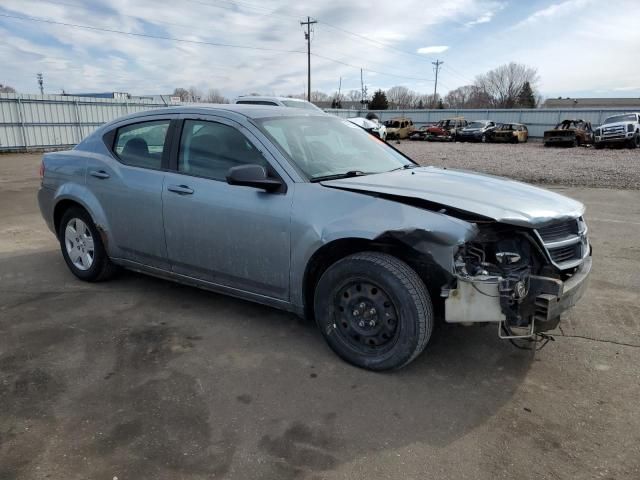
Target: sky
580,48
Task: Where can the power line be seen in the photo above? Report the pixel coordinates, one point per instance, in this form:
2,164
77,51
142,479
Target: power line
203,42
148,35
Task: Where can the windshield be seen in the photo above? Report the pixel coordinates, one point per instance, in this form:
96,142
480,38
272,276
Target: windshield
477,125
621,118
298,104
325,146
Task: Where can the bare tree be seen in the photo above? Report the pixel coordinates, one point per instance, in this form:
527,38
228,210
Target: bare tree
354,95
400,97
6,89
214,96
195,94
318,96
183,93
468,96
504,84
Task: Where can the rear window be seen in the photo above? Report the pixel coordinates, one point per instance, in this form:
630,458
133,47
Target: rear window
142,144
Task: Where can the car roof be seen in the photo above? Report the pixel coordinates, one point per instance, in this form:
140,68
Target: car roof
266,98
248,111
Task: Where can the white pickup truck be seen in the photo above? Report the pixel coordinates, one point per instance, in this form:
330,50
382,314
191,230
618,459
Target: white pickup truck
619,129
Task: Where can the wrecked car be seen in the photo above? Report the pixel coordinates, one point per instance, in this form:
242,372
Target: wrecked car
421,132
372,126
510,133
446,130
308,213
399,128
476,131
569,133
619,130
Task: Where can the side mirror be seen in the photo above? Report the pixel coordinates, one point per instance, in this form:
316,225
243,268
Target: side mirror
252,175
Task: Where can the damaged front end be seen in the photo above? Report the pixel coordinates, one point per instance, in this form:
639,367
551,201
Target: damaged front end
521,278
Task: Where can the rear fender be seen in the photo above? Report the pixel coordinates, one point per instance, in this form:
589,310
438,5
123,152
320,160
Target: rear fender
83,196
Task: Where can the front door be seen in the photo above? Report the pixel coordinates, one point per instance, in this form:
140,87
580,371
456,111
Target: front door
234,236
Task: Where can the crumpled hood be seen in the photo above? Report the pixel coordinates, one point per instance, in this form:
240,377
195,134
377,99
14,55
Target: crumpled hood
500,199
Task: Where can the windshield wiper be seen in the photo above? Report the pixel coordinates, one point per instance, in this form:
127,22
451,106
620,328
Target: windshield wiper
405,167
335,176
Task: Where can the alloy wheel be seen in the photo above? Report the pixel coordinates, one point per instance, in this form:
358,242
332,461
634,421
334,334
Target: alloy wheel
79,244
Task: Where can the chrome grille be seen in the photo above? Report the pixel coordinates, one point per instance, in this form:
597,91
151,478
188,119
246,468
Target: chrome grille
617,131
565,242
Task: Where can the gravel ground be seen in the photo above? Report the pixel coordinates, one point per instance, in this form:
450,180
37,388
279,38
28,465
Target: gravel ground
532,162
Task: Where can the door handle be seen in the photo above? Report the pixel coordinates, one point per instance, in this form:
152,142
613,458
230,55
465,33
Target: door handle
99,174
180,189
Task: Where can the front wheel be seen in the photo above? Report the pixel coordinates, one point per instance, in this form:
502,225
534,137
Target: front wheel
635,141
373,310
82,247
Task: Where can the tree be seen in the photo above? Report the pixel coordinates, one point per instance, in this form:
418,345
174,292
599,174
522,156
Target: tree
440,104
6,89
468,96
527,98
318,96
214,96
182,93
354,95
400,97
195,94
379,101
504,84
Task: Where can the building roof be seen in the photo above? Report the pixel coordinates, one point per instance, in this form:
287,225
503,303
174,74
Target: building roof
632,103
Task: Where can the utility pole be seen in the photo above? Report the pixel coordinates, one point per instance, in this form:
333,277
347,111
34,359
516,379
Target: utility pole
307,35
437,64
40,83
363,90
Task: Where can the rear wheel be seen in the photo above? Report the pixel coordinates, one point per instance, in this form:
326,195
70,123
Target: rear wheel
373,310
82,247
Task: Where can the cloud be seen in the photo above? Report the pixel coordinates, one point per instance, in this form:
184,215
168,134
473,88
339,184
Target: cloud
433,49
554,11
484,18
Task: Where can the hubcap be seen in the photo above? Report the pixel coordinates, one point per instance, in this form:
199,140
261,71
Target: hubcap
79,244
366,318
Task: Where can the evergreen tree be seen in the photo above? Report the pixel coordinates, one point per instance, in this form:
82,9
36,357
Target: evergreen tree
526,99
440,104
379,101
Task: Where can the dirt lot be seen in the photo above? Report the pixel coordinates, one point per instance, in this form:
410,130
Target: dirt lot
140,378
532,162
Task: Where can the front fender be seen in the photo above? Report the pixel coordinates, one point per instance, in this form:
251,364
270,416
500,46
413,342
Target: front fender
324,215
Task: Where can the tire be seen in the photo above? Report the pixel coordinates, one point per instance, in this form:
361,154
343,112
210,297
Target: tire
349,299
635,141
483,139
598,145
89,267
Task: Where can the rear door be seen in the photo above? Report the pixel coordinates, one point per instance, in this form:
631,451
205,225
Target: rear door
234,236
127,182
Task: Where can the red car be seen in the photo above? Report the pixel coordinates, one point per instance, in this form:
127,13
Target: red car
446,129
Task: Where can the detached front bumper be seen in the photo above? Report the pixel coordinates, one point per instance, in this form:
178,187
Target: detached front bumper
547,298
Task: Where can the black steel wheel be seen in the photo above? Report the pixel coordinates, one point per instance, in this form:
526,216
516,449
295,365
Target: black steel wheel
373,310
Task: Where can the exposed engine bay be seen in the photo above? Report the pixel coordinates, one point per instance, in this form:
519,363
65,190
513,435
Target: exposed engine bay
505,275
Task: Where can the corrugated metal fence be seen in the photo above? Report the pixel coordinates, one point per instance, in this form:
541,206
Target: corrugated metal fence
50,121
537,120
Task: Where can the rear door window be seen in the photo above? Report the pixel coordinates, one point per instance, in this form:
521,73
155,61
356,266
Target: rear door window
142,144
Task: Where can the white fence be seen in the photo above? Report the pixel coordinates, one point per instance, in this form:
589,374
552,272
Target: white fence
51,121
